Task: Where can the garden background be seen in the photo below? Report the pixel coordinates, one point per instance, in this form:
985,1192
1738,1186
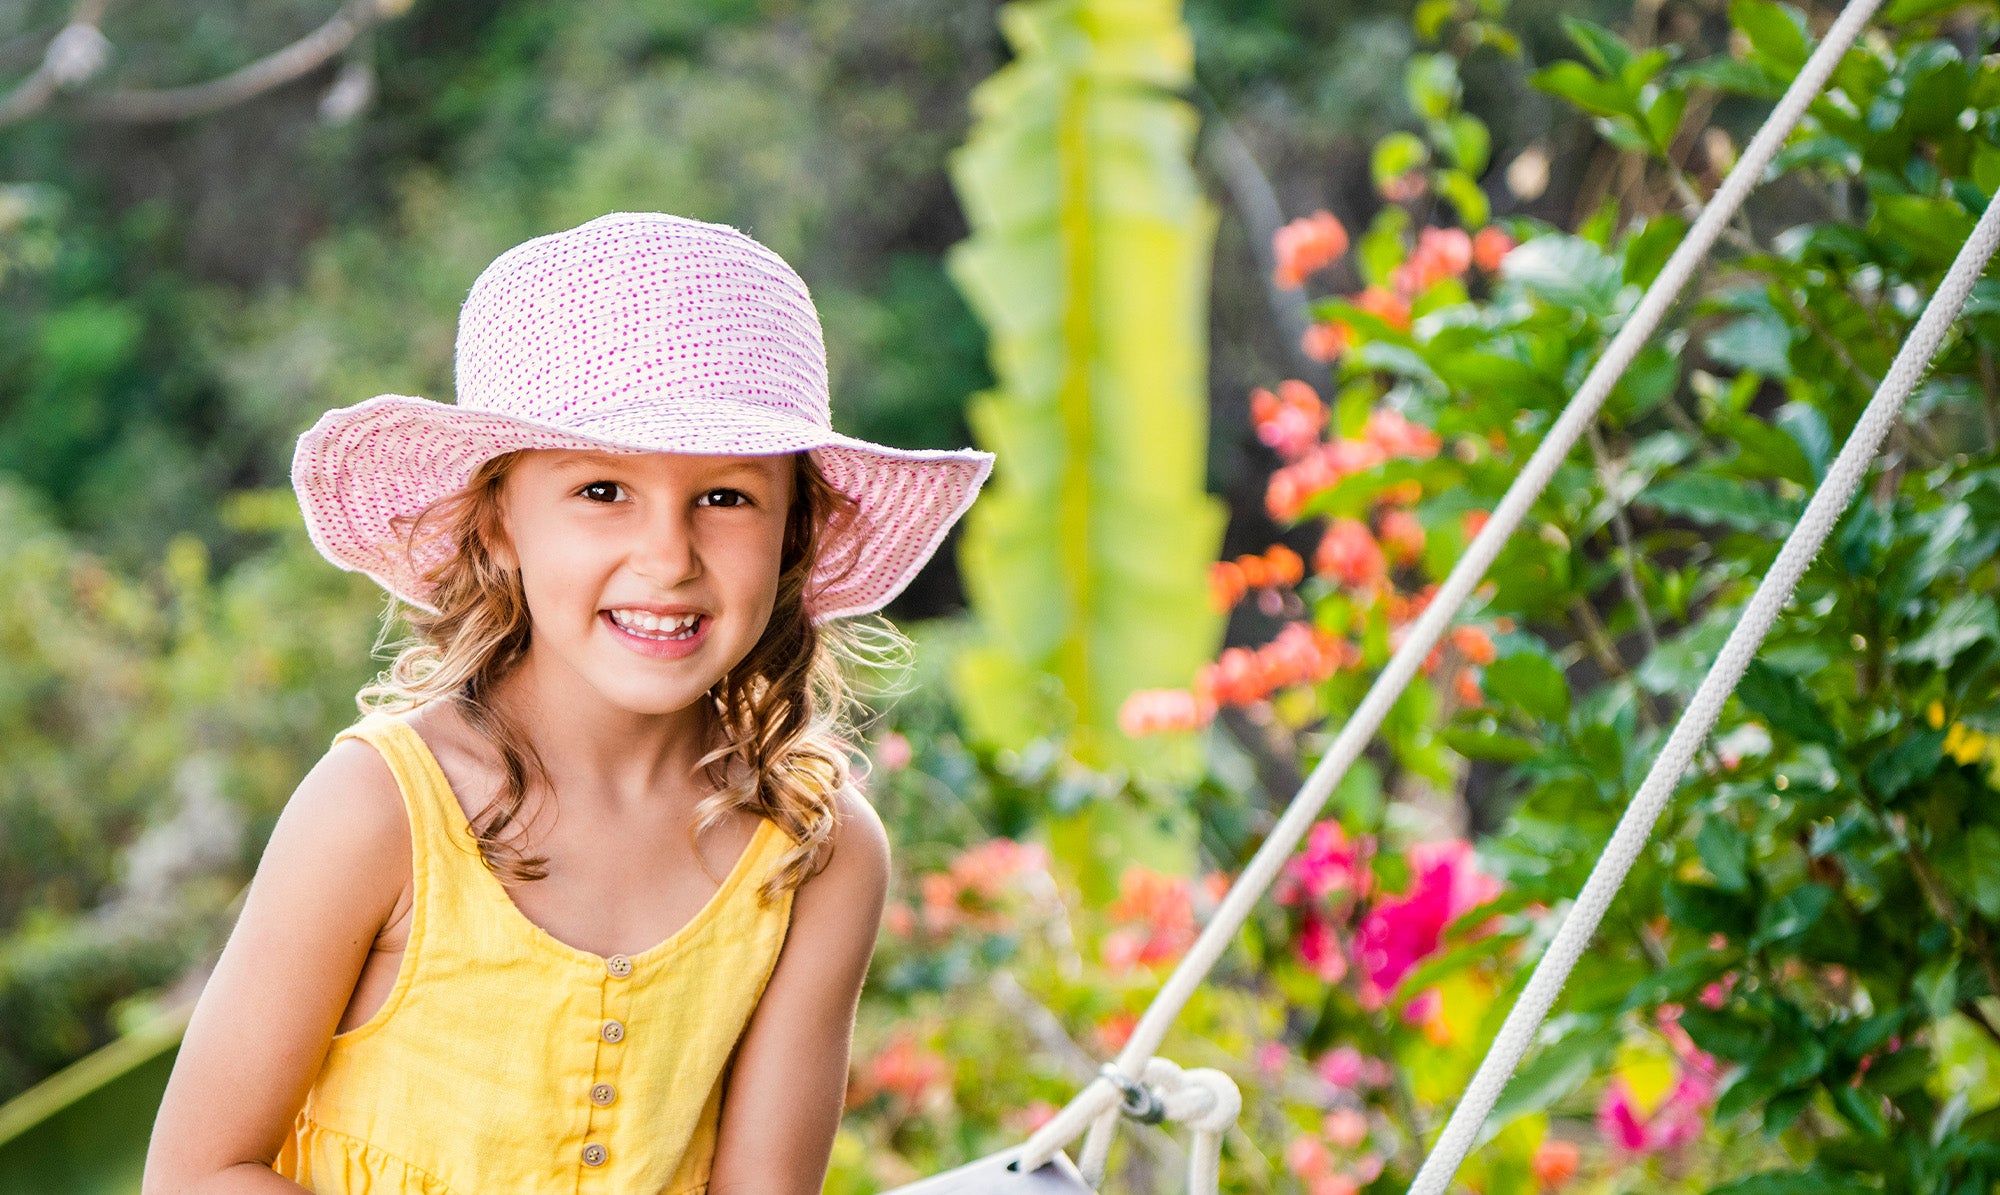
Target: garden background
1262,305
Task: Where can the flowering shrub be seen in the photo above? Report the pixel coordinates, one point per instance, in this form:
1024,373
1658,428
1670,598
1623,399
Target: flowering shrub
1799,987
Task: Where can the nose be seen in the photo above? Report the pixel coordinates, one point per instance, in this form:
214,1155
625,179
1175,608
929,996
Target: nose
665,552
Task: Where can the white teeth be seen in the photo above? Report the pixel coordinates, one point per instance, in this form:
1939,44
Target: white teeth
654,627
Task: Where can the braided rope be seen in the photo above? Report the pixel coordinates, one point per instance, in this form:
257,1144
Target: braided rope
1096,1105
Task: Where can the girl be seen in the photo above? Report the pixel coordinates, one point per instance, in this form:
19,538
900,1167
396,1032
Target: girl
585,899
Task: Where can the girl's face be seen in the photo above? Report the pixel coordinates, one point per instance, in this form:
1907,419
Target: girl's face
648,575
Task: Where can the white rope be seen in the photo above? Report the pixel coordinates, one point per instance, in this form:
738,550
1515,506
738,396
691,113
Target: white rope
1772,595
1090,1105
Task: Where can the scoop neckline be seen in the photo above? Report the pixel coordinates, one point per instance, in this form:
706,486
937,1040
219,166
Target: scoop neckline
459,823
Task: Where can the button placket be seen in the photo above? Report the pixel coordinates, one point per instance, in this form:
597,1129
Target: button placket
611,1032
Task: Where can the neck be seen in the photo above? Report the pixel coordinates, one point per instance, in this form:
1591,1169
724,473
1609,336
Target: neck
599,753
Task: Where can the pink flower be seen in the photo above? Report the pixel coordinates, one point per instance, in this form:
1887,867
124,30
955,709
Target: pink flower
1347,1069
1271,1057
893,752
1307,1156
1346,1128
1330,863
1157,711
1675,1122
1401,931
1320,950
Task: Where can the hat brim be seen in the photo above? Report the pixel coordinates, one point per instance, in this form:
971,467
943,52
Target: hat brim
361,466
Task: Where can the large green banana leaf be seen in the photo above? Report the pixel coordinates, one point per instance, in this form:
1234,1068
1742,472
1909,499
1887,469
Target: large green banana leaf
84,1129
1086,560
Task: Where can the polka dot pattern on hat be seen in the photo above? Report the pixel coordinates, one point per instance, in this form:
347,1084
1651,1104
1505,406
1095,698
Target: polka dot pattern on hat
634,332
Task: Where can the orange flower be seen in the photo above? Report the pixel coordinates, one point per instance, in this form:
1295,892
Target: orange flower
1556,1163
1159,912
1350,555
904,1069
1490,247
1115,1030
1326,340
1465,686
1473,522
1305,246
1286,564
1441,253
1386,305
1473,643
1395,435
1402,536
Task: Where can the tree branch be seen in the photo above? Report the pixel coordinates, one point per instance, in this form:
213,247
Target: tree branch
153,105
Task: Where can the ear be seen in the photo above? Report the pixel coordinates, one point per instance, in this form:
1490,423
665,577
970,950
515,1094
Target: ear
499,545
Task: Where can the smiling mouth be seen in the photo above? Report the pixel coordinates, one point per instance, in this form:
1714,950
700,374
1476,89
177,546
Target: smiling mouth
664,634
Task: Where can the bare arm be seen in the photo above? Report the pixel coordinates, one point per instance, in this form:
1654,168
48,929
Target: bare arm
336,864
782,1104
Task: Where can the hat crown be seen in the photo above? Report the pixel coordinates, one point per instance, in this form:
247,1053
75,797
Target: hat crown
605,327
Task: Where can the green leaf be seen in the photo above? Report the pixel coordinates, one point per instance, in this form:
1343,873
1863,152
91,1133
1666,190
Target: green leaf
1783,702
1965,620
1381,249
1574,82
1465,195
1760,342
1474,744
1708,910
1605,51
1908,762
1647,251
1792,914
1566,271
1790,1182
1086,560
1471,143
1395,155
1431,83
1777,33
1725,1035
1975,868
1558,1069
1663,117
1531,682
1720,501
1936,984
1725,851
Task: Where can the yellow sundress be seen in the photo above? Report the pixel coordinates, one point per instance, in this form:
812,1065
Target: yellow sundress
505,1060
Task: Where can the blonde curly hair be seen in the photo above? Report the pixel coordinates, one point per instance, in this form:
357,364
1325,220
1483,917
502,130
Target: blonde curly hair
782,715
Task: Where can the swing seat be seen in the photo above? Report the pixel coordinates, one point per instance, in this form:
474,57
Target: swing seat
993,1175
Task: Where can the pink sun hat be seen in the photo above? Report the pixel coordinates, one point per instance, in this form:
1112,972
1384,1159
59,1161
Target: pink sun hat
633,332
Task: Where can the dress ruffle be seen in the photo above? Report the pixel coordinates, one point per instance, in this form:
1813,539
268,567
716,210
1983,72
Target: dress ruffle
329,1162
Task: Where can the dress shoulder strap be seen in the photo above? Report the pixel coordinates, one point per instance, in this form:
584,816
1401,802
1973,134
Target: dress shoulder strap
427,795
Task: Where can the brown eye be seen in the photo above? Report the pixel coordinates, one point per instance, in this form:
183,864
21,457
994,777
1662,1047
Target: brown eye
598,485
730,498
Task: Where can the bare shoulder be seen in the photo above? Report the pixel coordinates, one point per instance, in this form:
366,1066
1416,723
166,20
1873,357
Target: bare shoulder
331,875
857,852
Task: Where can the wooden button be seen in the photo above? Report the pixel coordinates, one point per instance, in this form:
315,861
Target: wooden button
602,1094
618,965
613,1031
593,1154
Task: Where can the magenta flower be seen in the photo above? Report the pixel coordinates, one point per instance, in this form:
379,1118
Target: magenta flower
1401,931
1331,862
1320,950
